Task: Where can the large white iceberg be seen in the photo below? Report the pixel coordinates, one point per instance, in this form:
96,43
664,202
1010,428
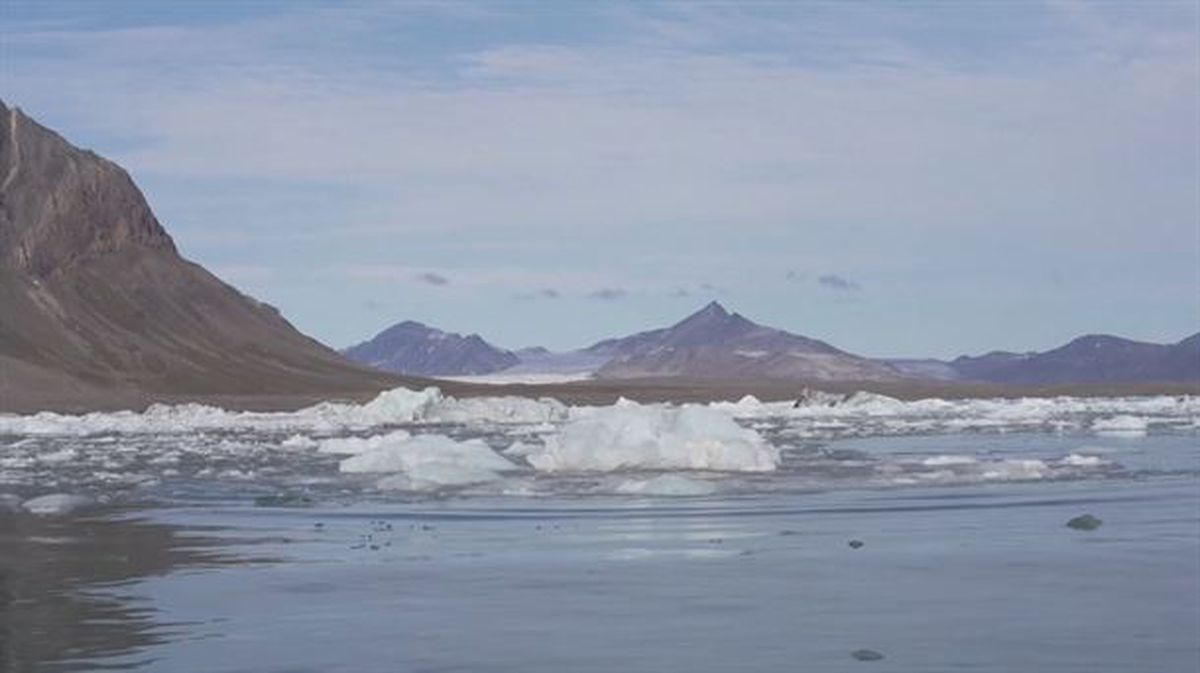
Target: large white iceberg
629,436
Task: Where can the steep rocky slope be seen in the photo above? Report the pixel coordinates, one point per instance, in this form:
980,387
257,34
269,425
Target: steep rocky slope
95,300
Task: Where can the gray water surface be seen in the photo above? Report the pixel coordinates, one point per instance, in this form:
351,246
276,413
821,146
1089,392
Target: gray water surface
962,577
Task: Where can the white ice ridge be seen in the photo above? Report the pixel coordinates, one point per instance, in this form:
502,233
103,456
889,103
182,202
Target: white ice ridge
823,413
393,407
421,462
630,436
1121,425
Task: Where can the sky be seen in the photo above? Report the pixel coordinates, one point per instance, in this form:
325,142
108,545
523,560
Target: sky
897,178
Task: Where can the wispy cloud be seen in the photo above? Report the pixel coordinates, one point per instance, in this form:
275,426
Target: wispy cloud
430,278
833,281
543,293
609,294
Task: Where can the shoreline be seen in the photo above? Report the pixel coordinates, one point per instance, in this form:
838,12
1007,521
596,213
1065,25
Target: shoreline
593,392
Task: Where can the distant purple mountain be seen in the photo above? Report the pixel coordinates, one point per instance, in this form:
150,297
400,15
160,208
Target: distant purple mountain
1096,358
715,344
413,348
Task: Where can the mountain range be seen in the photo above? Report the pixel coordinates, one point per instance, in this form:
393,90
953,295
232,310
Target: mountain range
97,305
1095,358
716,344
713,343
412,348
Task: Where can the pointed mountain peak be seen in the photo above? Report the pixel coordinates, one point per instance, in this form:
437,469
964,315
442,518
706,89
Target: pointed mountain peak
713,315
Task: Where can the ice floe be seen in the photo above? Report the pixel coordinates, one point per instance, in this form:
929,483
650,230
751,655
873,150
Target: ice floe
629,436
56,504
422,440
425,462
1121,425
671,485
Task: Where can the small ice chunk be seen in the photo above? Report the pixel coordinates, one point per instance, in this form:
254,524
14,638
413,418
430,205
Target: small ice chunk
299,442
351,446
1080,460
61,456
423,462
10,502
1015,470
667,485
56,504
948,460
432,476
1121,425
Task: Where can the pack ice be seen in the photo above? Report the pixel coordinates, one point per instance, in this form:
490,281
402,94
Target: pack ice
629,436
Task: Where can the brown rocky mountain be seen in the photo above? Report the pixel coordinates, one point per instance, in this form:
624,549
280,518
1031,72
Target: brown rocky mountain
410,347
715,344
95,300
1095,358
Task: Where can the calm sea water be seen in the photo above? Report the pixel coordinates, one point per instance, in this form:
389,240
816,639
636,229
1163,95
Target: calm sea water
961,567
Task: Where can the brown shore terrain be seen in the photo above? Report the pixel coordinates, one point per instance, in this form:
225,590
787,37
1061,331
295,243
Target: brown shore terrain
592,392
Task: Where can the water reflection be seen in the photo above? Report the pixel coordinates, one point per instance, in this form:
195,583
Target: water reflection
61,604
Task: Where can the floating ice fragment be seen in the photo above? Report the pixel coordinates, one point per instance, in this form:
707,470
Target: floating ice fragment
1006,470
351,446
425,462
942,461
497,410
1121,425
299,442
629,436
667,485
432,476
60,456
1079,460
56,504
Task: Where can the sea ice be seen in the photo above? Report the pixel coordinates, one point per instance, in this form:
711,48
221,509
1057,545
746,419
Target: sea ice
1080,460
427,461
351,446
1121,425
56,504
629,436
667,485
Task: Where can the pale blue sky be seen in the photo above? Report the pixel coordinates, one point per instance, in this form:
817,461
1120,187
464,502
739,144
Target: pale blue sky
896,178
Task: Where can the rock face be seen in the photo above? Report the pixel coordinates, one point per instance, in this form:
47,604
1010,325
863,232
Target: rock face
413,348
715,344
95,299
1089,359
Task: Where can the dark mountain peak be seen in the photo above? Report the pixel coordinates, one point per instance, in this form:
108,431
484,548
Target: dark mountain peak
1098,341
410,347
1090,358
713,343
533,352
409,326
712,314
62,204
1189,342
